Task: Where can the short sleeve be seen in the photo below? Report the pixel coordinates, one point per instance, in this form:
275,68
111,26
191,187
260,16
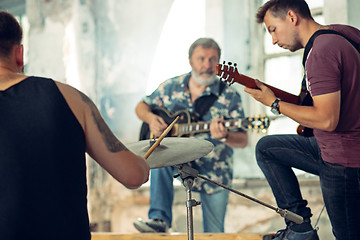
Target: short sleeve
323,66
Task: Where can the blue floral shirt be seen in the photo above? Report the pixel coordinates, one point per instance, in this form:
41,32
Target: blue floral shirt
173,94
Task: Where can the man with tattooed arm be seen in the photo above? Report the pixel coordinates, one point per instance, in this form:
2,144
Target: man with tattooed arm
46,128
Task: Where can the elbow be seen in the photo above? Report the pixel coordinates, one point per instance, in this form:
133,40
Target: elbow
137,182
132,187
330,125
137,179
240,142
138,109
330,129
245,140
133,184
243,143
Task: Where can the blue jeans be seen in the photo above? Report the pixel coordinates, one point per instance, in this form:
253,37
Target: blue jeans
278,154
162,196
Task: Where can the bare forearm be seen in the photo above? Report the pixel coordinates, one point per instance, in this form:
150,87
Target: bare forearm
309,116
127,168
142,175
324,114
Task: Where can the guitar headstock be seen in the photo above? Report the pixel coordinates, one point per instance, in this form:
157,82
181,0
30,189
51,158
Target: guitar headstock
226,72
229,73
259,124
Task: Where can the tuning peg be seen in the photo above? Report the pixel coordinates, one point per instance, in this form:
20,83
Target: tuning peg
224,62
230,63
235,69
222,66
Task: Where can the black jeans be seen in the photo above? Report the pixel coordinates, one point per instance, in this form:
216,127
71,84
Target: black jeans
278,154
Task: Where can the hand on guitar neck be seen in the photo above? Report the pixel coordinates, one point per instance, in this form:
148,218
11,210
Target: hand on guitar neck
185,126
230,74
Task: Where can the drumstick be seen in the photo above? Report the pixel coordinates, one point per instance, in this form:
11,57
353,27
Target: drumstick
167,130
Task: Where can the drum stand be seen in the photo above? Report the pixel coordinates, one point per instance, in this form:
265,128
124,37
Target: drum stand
188,174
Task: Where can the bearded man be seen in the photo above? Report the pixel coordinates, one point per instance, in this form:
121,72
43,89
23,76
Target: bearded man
193,92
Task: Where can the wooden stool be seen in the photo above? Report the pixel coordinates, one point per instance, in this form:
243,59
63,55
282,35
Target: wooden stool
175,236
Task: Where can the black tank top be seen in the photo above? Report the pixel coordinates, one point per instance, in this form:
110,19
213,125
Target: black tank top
42,165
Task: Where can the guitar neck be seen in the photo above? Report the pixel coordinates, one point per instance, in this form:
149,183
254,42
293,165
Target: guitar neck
202,127
186,127
231,75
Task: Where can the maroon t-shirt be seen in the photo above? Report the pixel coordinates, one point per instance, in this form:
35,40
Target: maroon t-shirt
333,64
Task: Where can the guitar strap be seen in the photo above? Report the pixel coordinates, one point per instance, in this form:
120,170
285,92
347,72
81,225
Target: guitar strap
326,31
304,94
203,104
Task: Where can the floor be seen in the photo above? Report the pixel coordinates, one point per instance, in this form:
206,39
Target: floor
119,207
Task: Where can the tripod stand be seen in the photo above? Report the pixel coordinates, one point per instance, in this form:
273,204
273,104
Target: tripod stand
188,175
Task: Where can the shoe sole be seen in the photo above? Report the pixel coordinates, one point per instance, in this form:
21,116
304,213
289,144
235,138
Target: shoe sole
142,227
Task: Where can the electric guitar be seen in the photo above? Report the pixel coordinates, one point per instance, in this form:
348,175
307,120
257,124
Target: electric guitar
230,74
185,126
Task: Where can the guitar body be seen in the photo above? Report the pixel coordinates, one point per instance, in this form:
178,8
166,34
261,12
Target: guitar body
305,100
169,117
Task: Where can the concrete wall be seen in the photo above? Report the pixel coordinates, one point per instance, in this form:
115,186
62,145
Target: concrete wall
109,50
344,12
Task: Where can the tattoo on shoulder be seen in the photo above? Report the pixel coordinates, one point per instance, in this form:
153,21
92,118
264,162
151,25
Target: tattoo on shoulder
111,142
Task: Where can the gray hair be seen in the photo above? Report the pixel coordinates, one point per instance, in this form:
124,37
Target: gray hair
205,43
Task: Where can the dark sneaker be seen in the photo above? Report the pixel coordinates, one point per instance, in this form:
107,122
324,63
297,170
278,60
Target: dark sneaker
268,237
152,226
288,234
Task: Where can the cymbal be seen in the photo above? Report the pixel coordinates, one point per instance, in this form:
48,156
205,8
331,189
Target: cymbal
172,150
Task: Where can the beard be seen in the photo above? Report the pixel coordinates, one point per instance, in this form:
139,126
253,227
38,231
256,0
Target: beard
296,44
294,48
203,80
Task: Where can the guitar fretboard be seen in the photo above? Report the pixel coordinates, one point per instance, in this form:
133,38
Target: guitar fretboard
198,127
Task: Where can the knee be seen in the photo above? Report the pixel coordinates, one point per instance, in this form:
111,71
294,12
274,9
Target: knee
261,146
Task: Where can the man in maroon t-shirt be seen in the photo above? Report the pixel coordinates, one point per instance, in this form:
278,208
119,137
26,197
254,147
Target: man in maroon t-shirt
335,70
332,69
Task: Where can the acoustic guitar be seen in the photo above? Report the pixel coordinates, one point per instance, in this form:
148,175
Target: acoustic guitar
185,126
230,74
